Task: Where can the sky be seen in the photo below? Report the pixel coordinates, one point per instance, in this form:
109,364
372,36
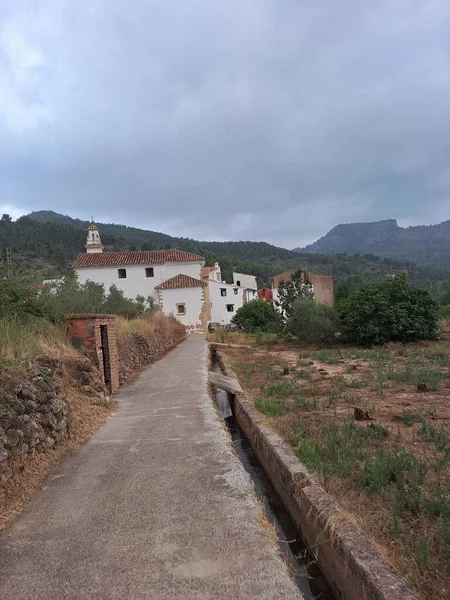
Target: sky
268,120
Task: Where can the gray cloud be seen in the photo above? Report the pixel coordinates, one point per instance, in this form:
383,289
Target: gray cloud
265,119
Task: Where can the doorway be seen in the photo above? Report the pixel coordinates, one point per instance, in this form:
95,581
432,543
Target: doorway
106,355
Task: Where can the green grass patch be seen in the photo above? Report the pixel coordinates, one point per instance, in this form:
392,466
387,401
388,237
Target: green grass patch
269,406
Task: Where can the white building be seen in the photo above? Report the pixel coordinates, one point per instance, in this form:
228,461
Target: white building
225,299
172,277
248,284
178,281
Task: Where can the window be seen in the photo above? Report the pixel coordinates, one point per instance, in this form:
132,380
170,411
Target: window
230,307
223,291
149,272
235,291
181,309
238,282
122,273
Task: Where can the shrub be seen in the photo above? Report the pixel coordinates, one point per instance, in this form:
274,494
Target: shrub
312,322
258,315
20,297
387,311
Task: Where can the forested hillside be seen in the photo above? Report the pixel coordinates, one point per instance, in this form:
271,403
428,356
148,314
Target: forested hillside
48,242
425,245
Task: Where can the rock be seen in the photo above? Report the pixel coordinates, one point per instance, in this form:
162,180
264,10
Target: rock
30,406
50,421
24,449
17,406
3,453
26,392
361,415
49,442
13,437
58,407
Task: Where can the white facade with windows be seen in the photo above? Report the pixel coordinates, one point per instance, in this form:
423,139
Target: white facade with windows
225,299
138,280
179,281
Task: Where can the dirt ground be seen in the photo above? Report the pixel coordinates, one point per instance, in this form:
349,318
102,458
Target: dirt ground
374,425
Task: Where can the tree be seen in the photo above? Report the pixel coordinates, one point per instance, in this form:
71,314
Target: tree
258,315
313,322
298,287
391,310
6,218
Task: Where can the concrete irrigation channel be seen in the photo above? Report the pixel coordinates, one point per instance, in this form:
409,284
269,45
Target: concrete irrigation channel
346,559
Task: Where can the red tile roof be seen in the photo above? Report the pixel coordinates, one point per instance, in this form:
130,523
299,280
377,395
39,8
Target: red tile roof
141,257
180,281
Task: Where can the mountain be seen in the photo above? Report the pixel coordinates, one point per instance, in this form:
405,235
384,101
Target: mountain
48,242
424,245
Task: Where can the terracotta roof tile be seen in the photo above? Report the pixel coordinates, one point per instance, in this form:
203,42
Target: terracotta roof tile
180,281
141,257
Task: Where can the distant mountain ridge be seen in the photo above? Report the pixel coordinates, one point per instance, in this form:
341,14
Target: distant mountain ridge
424,245
47,243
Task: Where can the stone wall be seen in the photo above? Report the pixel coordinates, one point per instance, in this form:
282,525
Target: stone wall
35,413
137,350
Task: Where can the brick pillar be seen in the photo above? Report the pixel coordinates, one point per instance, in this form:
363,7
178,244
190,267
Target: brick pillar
85,333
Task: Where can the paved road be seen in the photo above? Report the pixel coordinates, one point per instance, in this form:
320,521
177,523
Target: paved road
155,505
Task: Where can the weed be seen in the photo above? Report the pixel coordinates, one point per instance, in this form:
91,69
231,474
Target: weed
283,389
327,356
354,383
387,466
407,417
354,399
303,362
269,406
422,552
437,435
306,403
437,504
304,374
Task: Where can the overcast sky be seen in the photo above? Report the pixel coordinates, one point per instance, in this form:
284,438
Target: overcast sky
235,119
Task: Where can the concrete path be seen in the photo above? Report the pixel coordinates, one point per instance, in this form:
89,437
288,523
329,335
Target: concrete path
156,505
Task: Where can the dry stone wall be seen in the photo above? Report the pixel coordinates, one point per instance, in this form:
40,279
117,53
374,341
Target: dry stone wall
137,350
35,412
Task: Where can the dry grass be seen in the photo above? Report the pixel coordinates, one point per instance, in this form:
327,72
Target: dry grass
146,325
22,340
309,396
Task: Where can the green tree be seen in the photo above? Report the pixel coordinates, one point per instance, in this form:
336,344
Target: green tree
258,315
298,287
391,310
313,322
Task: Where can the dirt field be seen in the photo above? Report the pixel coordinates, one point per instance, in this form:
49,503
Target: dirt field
374,425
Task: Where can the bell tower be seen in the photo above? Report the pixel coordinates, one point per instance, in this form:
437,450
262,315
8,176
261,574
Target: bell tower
93,242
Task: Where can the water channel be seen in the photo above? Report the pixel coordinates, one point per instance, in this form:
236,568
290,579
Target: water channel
308,576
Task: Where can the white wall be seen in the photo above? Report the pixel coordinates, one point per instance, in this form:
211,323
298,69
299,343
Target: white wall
193,299
219,313
136,283
246,281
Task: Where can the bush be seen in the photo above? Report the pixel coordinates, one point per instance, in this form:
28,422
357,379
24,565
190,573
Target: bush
387,311
20,298
258,315
444,311
312,322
